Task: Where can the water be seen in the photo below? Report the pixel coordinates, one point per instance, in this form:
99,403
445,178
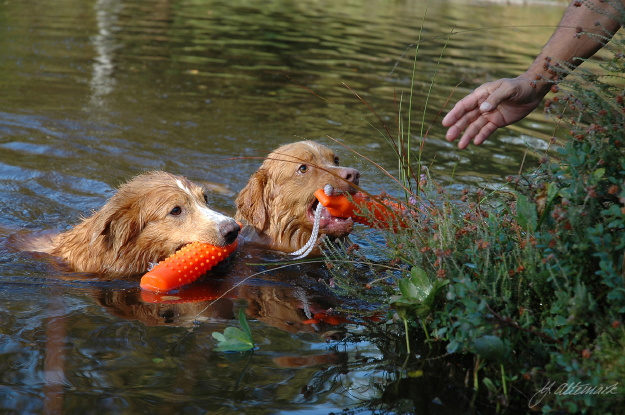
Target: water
95,92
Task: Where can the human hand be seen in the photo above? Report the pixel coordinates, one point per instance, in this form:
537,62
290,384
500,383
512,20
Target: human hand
491,106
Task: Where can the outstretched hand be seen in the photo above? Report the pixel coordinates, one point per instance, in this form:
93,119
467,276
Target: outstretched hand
491,106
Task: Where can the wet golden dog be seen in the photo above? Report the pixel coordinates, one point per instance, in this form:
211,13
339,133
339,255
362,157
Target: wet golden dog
277,205
148,219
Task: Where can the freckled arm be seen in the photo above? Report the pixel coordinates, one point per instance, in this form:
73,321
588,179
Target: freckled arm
505,101
566,46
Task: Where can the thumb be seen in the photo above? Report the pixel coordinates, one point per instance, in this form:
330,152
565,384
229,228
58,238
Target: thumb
495,98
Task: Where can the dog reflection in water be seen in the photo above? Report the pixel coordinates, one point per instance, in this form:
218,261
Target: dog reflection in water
287,308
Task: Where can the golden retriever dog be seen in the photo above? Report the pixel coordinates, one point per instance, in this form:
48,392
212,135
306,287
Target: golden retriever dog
148,219
277,205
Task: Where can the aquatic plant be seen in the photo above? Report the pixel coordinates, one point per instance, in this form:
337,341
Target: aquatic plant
234,339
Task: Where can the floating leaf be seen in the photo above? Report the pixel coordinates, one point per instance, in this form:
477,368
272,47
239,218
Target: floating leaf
234,339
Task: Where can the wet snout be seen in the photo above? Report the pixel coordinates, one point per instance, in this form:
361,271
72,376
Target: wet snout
229,231
349,175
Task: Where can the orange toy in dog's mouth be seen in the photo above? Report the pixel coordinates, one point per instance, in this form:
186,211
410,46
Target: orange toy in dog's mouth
340,206
185,266
329,223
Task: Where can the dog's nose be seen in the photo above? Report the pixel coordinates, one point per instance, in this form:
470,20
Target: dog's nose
230,231
350,175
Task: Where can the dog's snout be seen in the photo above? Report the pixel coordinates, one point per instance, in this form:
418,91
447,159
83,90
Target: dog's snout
230,231
350,175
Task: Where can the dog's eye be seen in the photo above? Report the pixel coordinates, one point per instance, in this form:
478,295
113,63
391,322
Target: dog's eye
176,211
303,168
206,198
336,161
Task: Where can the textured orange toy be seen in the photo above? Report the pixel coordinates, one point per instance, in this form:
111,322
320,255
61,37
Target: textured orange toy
185,266
342,207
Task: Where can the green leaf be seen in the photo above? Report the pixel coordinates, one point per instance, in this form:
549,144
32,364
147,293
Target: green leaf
489,347
245,326
526,213
409,290
490,385
552,192
422,310
419,294
452,346
598,174
419,277
438,287
234,339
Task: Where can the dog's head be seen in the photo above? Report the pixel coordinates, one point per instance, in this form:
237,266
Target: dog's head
148,219
279,202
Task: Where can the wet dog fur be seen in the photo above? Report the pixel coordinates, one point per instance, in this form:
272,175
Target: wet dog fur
277,205
148,219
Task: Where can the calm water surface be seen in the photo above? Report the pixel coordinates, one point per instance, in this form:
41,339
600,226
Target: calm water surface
95,92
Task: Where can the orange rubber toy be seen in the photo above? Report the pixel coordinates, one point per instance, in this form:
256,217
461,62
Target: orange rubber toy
342,207
185,266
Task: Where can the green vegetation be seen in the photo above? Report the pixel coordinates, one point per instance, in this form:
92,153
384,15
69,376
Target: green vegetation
528,279
234,339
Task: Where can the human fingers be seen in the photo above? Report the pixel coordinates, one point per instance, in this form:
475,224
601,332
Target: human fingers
506,90
471,131
484,133
465,105
460,124
479,131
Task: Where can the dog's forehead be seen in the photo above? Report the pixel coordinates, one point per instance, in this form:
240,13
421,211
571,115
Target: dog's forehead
319,150
184,187
190,189
308,152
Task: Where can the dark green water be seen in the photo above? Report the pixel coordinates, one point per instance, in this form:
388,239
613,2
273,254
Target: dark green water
95,92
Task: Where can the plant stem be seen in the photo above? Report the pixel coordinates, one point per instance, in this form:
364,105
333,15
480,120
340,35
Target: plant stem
476,384
407,337
503,381
425,330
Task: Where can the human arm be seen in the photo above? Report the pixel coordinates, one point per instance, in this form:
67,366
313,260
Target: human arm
503,102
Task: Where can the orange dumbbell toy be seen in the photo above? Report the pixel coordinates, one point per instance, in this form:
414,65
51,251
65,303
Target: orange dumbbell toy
185,266
358,205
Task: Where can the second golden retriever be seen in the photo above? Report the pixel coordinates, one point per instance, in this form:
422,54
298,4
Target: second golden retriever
147,220
277,205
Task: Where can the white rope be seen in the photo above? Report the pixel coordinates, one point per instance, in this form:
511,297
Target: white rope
306,249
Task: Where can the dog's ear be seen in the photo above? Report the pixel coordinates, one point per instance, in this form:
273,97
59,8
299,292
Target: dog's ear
118,227
251,200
